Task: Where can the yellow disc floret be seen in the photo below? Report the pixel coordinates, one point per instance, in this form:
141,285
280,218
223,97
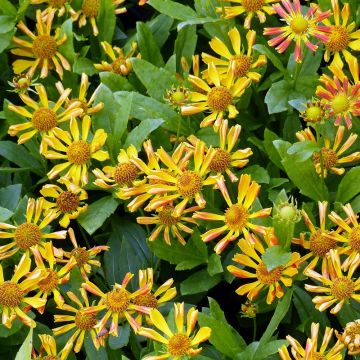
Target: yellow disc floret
85,321
221,161
320,244
299,25
11,294
118,300
252,5
148,300
329,158
50,282
189,183
91,7
166,218
354,238
44,47
27,235
236,217
81,256
219,98
44,119
339,39
241,64
67,201
342,288
340,103
79,152
268,277
179,345
125,173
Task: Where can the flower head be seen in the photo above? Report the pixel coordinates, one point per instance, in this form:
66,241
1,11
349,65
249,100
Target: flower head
181,342
298,28
315,111
89,9
351,337
177,96
48,343
58,7
23,83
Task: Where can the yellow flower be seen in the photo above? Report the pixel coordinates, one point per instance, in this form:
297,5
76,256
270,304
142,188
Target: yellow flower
218,99
75,150
331,156
13,293
81,321
311,351
152,300
86,105
315,111
263,278
242,64
89,9
250,8
118,304
351,337
42,49
53,6
224,158
68,203
52,277
321,240
43,117
181,343
342,36
168,223
337,287
30,233
48,344
121,62
237,218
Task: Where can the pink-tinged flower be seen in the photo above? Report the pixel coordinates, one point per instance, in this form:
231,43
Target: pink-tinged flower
299,27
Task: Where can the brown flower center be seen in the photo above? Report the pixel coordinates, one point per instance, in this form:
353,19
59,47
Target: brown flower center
179,345
189,183
236,217
44,47
342,288
85,321
56,3
67,201
119,66
268,277
91,7
219,98
125,173
354,238
299,25
241,64
340,103
50,357
11,294
339,39
81,256
118,300
50,282
148,300
27,235
166,217
44,119
221,161
79,152
318,356
329,158
320,244
252,5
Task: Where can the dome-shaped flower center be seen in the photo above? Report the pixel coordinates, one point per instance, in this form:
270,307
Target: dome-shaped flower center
189,183
79,152
354,238
320,244
179,345
125,174
252,5
91,7
81,256
340,103
148,300
11,294
119,66
44,47
313,114
236,217
85,321
219,98
268,277
342,288
339,38
241,64
49,283
117,300
56,3
299,25
177,97
44,119
166,218
221,161
27,235
67,201
50,357
317,356
351,335
329,158
288,212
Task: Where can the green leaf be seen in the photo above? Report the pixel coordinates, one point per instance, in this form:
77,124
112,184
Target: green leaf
276,98
303,150
67,49
147,45
115,82
215,310
10,196
349,186
253,352
106,21
7,8
5,39
23,6
258,173
273,57
117,342
84,65
271,151
198,21
160,28
24,352
6,332
7,23
275,256
173,9
97,213
91,352
199,282
5,214
141,132
214,265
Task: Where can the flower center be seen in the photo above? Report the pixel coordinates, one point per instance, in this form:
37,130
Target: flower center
268,277
83,105
44,119
148,300
354,238
50,357
329,158
317,356
91,7
342,288
320,245
241,64
179,345
67,201
118,65
125,173
313,114
288,212
27,235
189,183
221,161
339,39
219,98
79,152
118,300
50,282
236,217
299,25
351,332
340,103
81,256
56,3
44,47
11,294
166,217
252,5
85,321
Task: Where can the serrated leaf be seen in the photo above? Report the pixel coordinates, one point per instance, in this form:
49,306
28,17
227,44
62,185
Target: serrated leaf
275,256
